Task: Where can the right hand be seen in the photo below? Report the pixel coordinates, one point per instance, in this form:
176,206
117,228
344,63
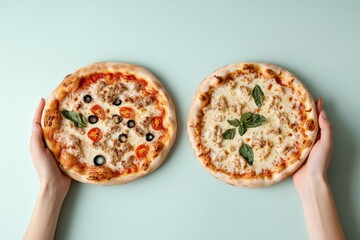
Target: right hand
316,166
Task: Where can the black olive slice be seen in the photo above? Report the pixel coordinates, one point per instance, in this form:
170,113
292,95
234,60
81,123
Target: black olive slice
117,102
117,119
122,137
149,137
130,123
93,119
99,160
87,98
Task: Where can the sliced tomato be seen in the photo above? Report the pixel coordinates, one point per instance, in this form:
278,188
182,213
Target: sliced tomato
126,112
95,134
156,123
98,111
141,151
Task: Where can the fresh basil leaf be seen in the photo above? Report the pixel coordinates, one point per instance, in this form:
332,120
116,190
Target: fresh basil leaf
258,95
77,118
242,129
254,121
234,123
247,153
245,116
229,134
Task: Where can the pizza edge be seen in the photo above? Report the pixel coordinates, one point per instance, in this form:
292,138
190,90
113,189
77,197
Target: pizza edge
51,119
195,110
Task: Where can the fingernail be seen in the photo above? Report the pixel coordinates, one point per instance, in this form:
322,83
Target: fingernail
324,114
34,127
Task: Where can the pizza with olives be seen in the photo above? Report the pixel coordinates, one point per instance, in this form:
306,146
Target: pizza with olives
252,124
109,123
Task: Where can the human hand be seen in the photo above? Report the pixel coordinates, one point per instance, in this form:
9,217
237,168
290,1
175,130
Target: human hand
315,168
51,178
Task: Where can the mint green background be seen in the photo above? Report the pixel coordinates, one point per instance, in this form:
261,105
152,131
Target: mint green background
181,42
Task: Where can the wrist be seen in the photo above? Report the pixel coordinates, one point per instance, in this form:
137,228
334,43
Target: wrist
52,192
312,186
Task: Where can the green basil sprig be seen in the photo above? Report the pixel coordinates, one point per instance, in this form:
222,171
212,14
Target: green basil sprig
242,129
77,118
229,134
253,120
247,153
258,95
234,123
247,120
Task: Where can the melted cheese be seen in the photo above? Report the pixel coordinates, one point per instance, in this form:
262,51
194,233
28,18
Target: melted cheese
270,142
84,149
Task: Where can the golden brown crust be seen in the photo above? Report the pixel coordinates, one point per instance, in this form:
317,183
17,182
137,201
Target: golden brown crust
51,121
285,167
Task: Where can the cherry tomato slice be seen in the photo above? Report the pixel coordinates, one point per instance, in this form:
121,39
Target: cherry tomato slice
156,123
141,151
126,112
98,111
95,134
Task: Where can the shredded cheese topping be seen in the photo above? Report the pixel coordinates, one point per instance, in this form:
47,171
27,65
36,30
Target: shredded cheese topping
75,140
271,142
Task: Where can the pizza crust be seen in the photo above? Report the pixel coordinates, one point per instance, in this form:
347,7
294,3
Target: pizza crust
267,70
51,119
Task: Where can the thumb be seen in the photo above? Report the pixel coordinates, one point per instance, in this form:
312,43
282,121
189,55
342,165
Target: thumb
326,130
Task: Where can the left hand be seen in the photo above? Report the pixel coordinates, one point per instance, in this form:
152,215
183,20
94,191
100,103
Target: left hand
49,173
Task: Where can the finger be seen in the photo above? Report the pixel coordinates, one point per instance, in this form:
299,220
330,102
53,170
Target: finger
38,112
319,108
318,136
325,129
320,105
36,142
51,158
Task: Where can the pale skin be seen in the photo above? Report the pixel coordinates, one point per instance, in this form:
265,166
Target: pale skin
54,185
310,182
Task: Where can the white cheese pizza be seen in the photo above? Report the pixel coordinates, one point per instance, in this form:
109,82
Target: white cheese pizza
252,124
109,123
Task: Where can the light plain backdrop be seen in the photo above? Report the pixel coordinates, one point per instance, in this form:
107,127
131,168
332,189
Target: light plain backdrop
181,42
